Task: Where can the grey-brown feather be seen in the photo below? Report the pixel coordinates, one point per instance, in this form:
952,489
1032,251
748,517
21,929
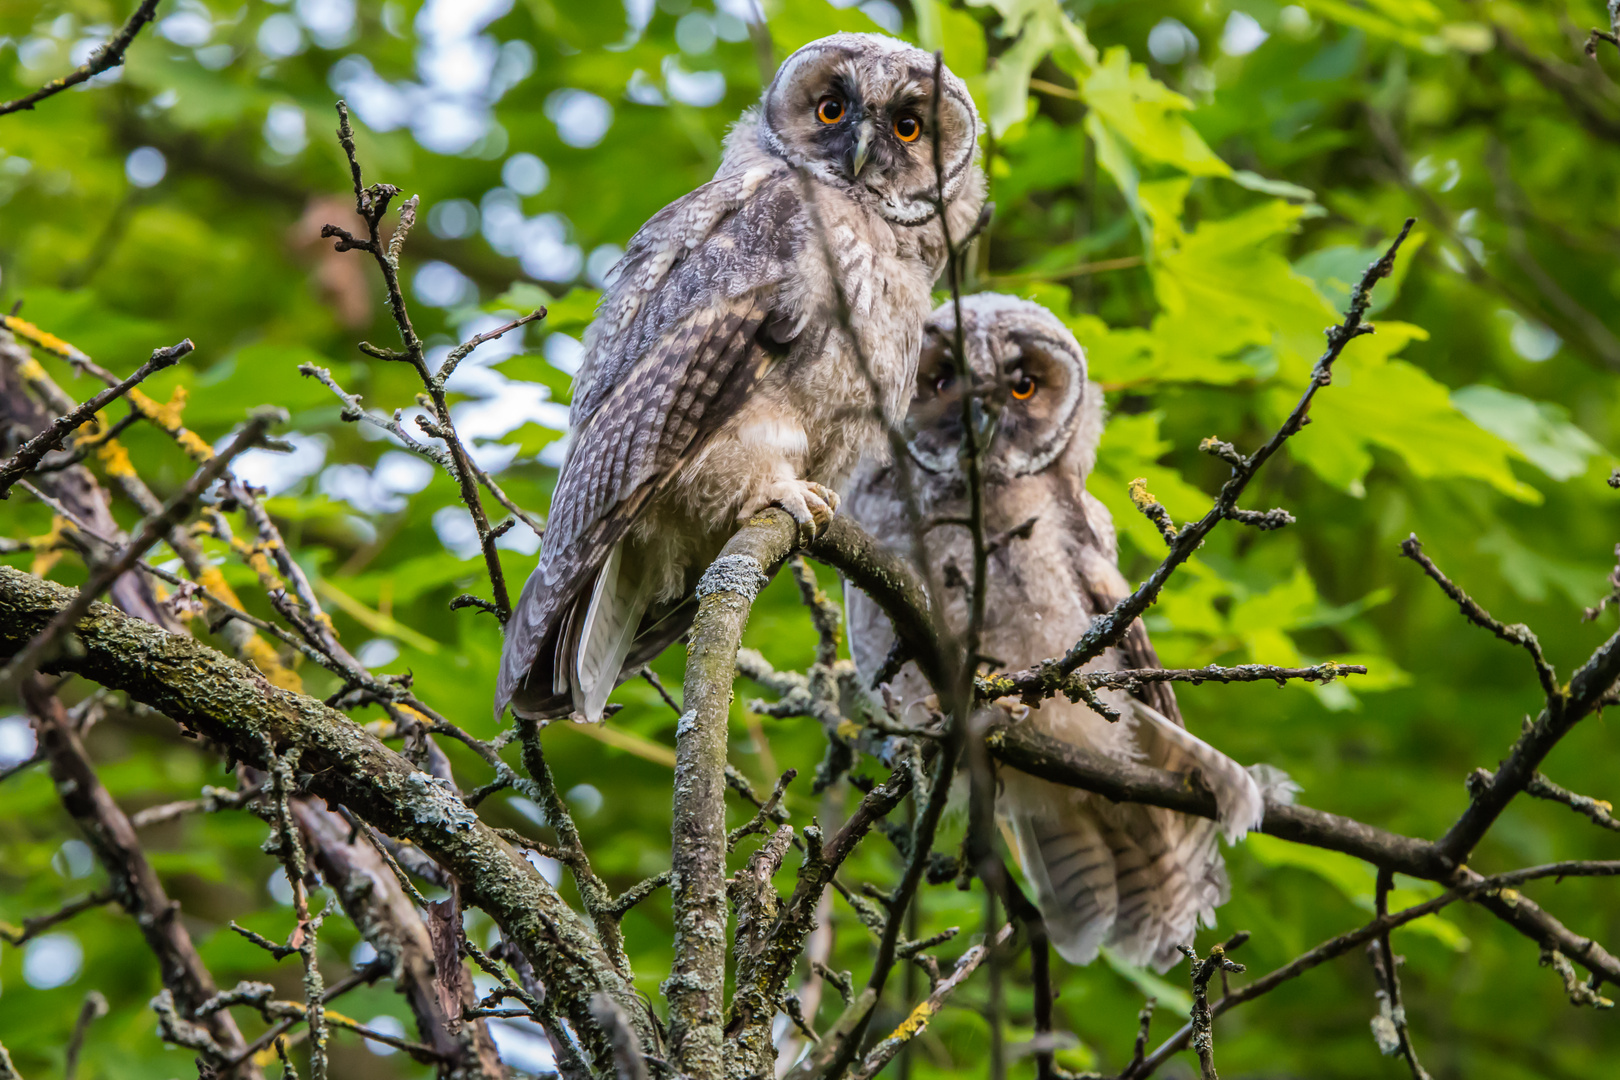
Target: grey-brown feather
1136,878
718,377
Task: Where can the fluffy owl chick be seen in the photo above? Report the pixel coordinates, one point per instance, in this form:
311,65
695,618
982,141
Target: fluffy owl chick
719,377
1137,878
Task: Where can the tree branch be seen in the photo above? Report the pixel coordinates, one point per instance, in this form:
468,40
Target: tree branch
230,703
28,457
109,55
696,985
917,1021
1047,678
133,881
29,658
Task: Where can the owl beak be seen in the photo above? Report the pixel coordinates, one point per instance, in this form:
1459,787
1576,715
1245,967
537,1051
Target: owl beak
862,148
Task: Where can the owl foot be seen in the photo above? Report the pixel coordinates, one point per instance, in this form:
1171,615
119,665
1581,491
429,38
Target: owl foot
811,505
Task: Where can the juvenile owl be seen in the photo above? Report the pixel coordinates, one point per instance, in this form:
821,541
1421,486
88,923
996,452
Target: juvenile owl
719,377
1137,878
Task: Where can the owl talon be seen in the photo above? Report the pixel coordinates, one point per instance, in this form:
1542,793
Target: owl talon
812,506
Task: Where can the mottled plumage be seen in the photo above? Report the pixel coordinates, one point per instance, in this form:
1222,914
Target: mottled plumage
1137,878
718,378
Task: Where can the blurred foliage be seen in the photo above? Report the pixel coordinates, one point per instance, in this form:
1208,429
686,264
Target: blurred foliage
1192,185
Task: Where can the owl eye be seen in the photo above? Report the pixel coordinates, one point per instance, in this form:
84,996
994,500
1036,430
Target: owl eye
1023,388
830,111
907,128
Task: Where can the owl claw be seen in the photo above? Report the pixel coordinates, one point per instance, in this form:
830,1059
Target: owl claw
811,505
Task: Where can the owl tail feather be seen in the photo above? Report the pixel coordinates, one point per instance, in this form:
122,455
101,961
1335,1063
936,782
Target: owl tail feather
603,638
1139,879
1066,858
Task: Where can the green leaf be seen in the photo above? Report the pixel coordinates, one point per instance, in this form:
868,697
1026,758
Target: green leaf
1357,882
1337,269
1130,448
572,313
1541,431
1148,115
798,22
953,32
522,297
1534,574
1432,437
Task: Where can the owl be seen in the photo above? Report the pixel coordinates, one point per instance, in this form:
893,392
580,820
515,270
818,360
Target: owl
1136,878
751,344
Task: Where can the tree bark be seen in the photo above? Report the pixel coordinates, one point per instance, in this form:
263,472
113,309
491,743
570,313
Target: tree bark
210,694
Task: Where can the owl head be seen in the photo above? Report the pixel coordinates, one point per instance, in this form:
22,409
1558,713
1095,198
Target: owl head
857,112
1030,375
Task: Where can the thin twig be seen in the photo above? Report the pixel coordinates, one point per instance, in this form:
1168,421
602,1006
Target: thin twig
917,1022
39,650
94,1008
371,203
1203,1034
38,924
32,452
1047,678
1342,944
1599,811
1390,1026
106,57
1516,634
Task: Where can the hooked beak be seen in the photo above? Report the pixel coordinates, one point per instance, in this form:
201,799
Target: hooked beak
859,153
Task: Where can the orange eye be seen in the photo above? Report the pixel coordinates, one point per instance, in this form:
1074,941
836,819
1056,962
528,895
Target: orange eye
907,128
1024,388
830,111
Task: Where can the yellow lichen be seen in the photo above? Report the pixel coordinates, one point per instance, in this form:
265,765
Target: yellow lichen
193,445
914,1023
44,339
115,459
211,579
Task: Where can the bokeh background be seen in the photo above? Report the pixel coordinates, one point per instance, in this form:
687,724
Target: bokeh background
1191,184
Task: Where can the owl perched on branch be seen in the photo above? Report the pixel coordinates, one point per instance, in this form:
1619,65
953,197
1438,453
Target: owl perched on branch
720,376
1137,878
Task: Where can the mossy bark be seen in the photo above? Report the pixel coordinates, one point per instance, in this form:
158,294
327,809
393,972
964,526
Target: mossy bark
213,695
696,986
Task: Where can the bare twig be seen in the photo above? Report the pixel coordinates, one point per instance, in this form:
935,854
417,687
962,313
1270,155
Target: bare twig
371,203
1130,679
133,881
1203,1035
1342,944
464,350
1599,811
917,1022
368,974
38,924
39,650
1580,993
28,457
1389,1026
94,1008
1048,677
1517,634
106,57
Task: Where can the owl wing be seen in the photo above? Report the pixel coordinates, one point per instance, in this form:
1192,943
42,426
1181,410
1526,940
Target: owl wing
671,367
1139,878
